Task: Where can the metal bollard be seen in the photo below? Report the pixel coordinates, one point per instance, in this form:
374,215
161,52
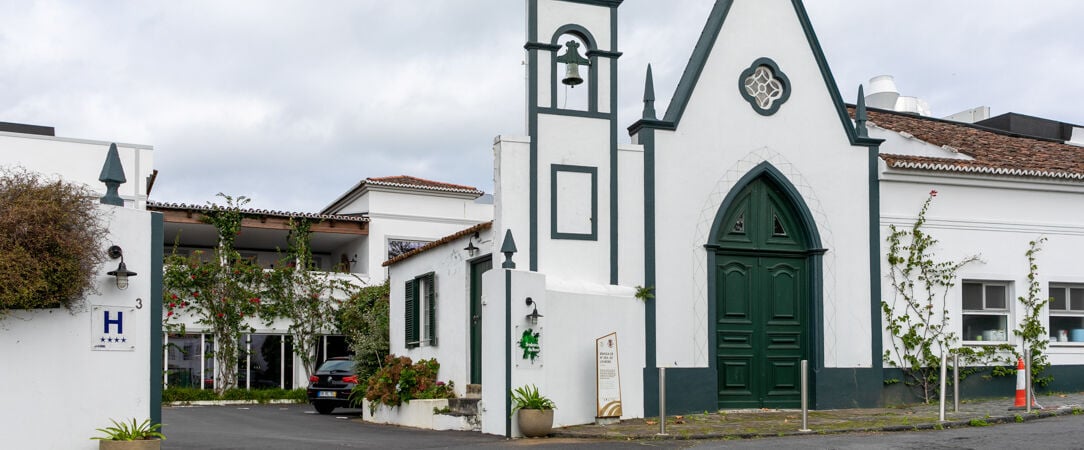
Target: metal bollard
1027,377
944,361
662,401
955,383
805,396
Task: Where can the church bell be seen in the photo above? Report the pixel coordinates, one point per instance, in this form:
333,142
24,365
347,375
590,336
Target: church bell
572,61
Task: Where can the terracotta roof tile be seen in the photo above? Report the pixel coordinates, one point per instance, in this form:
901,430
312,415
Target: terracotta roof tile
439,242
163,206
415,182
995,152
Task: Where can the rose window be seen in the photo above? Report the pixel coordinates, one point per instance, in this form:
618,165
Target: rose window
764,86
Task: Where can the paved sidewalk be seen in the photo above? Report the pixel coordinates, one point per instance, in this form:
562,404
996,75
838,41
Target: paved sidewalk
761,423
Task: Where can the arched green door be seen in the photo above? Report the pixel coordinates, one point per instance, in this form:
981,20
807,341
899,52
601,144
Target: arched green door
762,299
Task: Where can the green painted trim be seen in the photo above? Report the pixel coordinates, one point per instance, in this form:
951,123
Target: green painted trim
155,305
554,233
592,47
766,169
614,155
507,353
876,327
689,390
614,192
604,53
541,46
574,113
843,387
532,131
606,3
699,58
647,140
652,124
777,73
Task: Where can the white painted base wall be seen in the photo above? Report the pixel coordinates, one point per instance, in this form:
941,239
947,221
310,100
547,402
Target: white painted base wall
58,390
418,414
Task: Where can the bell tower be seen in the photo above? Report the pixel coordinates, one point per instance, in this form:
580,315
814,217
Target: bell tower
572,124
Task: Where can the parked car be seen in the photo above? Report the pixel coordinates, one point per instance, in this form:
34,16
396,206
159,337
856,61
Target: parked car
331,385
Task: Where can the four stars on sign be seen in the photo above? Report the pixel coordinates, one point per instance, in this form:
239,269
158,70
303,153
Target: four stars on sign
119,339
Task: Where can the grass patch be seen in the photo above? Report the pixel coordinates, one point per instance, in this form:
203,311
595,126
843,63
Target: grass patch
979,423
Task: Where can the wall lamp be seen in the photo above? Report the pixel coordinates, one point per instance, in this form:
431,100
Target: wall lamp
122,273
534,315
471,248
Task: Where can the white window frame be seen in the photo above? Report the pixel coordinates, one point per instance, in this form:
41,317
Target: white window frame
1065,312
975,337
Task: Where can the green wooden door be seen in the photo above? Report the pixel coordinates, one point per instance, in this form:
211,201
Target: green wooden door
762,285
477,268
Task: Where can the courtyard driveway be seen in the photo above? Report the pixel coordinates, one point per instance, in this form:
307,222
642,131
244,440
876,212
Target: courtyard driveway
294,427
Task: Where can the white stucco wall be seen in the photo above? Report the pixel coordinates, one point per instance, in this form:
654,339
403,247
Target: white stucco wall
719,139
79,161
451,267
994,218
59,389
575,314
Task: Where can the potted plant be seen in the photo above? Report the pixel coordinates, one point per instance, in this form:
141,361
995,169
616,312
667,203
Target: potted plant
137,436
535,411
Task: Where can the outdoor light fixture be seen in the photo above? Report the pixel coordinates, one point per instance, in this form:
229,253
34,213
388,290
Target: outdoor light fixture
572,61
534,315
471,248
122,273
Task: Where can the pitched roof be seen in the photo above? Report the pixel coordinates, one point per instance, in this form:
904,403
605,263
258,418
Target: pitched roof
421,183
994,152
163,206
439,242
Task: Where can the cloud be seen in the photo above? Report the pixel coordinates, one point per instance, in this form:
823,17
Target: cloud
292,102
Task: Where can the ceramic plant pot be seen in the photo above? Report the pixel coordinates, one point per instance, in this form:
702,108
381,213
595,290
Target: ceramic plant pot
142,444
535,422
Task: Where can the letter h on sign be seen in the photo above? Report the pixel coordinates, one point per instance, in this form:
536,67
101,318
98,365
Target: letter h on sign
119,322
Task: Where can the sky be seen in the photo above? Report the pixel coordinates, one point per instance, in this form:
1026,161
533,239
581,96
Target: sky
291,103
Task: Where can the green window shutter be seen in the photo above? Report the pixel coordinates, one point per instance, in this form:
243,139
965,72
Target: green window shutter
411,316
431,307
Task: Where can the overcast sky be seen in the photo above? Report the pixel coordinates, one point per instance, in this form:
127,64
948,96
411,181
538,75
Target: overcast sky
293,102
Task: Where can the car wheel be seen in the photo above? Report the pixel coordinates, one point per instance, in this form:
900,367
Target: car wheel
324,408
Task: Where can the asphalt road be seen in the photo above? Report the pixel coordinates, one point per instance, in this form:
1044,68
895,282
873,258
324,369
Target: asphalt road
294,427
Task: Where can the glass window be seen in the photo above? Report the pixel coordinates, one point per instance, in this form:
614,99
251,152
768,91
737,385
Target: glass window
985,315
397,247
1066,312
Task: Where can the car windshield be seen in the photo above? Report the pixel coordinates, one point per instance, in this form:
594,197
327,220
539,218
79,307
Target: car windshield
337,366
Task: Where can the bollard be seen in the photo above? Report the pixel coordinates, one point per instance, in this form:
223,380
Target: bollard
956,382
662,401
1027,377
805,396
944,361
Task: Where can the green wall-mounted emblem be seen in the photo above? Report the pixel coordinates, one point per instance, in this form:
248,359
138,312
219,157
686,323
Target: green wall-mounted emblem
764,86
529,344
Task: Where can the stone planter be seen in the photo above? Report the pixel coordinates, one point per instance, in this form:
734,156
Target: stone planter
535,422
142,444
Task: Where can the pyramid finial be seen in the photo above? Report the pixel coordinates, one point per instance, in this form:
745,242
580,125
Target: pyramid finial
113,176
860,114
649,95
508,248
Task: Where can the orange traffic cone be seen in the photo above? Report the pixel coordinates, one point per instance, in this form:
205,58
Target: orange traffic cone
1021,385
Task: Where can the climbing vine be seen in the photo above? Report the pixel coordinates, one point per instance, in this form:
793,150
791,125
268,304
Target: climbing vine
1031,330
221,293
917,316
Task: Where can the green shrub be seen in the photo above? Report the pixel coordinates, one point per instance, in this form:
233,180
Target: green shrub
52,243
401,380
183,394
528,397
